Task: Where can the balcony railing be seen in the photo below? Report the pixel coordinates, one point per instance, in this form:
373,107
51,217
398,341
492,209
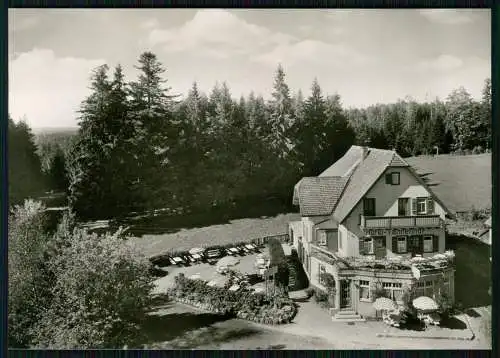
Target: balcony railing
392,222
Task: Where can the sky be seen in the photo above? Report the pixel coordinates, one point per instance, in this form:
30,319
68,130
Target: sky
366,56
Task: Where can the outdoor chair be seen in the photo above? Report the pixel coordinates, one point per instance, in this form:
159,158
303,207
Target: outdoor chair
191,258
172,261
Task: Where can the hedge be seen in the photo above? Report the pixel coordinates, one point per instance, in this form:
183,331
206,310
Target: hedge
244,304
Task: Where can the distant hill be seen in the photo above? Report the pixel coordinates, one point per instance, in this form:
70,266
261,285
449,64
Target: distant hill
461,182
55,130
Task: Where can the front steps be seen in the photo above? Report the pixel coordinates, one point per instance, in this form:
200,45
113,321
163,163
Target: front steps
347,316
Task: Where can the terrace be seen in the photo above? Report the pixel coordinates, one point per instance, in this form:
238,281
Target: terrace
393,222
397,263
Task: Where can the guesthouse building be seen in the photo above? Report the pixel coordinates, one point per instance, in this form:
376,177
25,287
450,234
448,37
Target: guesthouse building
374,225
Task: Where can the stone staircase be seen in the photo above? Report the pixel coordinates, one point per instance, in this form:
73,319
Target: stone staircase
347,315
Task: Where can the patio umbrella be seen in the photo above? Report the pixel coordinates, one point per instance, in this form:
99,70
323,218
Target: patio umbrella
196,250
228,261
384,304
425,303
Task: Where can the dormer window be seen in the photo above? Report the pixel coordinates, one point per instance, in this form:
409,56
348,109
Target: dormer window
392,178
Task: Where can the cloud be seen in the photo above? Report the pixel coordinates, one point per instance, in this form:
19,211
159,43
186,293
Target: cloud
214,30
48,89
447,16
314,52
441,63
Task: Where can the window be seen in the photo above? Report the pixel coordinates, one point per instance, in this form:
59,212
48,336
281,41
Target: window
366,246
340,239
429,289
369,206
401,244
322,238
403,207
394,290
392,178
322,271
421,206
428,244
364,290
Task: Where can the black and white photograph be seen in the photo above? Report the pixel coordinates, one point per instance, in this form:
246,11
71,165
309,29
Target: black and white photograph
249,179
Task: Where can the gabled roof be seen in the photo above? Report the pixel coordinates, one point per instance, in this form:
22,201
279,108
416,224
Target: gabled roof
359,169
318,196
362,179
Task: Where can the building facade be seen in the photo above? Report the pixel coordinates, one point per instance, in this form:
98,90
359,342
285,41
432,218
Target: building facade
375,226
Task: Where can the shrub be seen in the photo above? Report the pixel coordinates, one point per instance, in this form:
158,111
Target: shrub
243,304
310,292
278,259
298,273
320,296
29,283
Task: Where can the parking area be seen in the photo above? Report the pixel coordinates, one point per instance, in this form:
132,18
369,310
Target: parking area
207,272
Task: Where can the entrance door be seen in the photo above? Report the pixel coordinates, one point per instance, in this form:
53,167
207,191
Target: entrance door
379,247
300,251
345,293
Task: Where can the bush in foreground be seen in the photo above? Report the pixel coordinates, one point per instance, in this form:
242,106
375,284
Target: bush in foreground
243,304
74,289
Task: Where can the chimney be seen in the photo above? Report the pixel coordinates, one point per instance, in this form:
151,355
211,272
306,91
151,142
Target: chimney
366,150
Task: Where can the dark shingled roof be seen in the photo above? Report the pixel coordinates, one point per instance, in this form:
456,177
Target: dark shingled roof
318,195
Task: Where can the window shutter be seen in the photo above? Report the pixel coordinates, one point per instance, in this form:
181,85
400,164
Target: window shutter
430,206
435,243
413,206
394,245
388,178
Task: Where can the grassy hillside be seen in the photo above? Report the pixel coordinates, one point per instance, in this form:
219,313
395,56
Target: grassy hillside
461,182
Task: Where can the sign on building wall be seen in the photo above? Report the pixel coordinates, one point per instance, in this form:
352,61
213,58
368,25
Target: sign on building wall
395,232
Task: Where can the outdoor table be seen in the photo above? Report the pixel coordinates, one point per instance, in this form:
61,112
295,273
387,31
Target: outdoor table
233,250
196,257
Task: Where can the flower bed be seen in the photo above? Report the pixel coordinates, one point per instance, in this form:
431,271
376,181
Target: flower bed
244,304
436,261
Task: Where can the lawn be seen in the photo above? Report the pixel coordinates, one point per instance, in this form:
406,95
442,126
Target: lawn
234,231
461,182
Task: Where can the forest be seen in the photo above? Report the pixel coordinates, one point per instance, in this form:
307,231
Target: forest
141,147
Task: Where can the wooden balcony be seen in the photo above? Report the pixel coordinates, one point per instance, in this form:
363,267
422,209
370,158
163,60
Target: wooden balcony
396,222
